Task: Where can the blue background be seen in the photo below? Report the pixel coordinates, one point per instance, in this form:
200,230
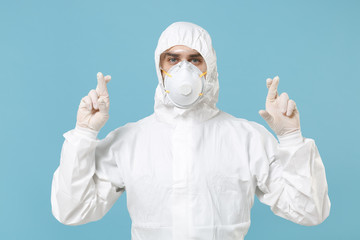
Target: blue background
51,51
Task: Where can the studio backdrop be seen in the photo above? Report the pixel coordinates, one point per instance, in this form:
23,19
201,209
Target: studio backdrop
51,51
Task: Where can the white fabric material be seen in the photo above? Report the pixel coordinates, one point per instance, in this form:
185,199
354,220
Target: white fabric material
189,173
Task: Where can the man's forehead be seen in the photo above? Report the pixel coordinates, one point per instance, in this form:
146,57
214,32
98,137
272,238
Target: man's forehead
182,50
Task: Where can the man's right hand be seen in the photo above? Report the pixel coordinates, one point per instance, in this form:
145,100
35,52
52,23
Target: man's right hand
93,110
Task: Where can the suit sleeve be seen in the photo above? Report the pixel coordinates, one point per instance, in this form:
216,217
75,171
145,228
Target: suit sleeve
87,181
290,176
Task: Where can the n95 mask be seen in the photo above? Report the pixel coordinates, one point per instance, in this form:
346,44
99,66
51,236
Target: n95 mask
184,84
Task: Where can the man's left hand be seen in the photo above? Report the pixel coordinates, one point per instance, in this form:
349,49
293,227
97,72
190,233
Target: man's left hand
281,113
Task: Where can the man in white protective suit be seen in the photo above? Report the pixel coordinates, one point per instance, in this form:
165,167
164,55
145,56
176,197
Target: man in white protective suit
190,170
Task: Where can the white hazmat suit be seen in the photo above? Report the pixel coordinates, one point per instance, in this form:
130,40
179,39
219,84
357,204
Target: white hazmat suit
189,173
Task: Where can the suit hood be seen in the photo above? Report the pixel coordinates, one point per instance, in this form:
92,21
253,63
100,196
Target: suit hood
195,37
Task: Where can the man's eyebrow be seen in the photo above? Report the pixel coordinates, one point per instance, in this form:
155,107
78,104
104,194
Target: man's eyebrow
172,54
178,55
196,55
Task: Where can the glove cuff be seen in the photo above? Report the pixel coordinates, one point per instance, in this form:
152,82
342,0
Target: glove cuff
86,132
291,139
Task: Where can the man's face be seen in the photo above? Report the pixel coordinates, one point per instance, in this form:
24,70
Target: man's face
179,53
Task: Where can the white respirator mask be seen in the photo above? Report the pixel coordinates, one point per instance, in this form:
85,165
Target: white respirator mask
184,84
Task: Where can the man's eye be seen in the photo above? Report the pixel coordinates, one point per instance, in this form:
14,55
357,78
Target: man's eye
195,60
172,60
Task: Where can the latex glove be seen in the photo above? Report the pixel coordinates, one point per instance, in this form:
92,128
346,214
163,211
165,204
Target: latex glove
93,110
281,113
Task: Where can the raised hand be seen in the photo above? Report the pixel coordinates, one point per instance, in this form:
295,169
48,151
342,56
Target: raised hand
281,113
93,110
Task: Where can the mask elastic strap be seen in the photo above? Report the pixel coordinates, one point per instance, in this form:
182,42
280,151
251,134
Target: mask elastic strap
203,74
166,72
